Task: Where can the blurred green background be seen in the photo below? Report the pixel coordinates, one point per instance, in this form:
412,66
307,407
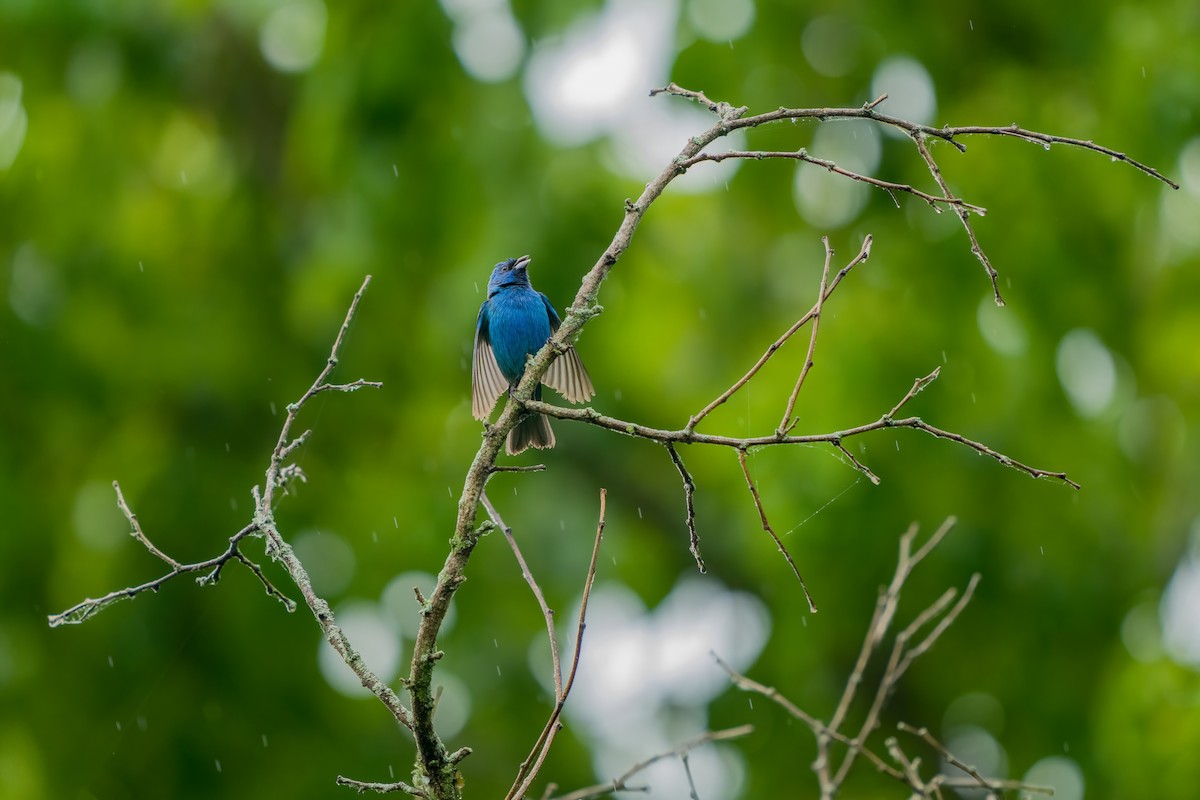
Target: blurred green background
190,193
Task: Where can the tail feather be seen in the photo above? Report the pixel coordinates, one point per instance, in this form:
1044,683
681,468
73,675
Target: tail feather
533,431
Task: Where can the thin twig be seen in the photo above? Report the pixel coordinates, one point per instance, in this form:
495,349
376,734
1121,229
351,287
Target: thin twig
380,788
136,529
621,783
530,767
766,526
689,436
787,423
952,760
547,612
934,201
689,500
87,608
864,253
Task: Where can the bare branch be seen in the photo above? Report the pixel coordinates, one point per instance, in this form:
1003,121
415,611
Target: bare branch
787,423
985,783
547,612
689,493
689,436
863,254
621,783
380,788
762,515
87,608
934,201
533,763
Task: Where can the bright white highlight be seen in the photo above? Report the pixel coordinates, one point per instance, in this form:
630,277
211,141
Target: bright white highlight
909,89
293,36
1087,372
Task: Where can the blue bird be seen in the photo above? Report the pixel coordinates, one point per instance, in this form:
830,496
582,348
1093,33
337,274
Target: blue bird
514,322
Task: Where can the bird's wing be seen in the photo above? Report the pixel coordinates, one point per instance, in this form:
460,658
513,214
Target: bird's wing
487,382
566,374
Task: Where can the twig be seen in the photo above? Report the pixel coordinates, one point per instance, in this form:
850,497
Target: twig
863,254
951,759
530,767
902,656
689,436
730,120
689,495
787,423
934,201
380,788
766,526
621,783
547,612
87,608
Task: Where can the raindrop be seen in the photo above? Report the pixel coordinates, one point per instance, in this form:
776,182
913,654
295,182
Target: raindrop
391,772
1046,146
972,397
110,661
897,445
396,522
218,762
1042,549
514,491
141,267
118,725
264,740
375,537
449,491
272,408
497,669
944,361
496,642
1112,158
396,170
971,24
1143,72
639,512
750,700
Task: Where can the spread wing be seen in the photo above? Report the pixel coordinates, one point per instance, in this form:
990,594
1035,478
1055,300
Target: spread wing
566,374
487,382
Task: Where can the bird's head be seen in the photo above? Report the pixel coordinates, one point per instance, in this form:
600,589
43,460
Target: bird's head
509,273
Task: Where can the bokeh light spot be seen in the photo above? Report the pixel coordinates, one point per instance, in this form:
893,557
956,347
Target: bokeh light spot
1001,328
293,35
831,44
1087,372
1060,772
909,88
329,560
13,121
721,20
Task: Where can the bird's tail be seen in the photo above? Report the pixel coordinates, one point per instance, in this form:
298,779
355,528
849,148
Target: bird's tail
532,431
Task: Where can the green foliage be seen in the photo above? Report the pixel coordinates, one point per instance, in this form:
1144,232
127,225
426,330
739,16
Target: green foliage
184,225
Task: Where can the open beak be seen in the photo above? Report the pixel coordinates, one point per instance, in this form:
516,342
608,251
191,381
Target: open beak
522,262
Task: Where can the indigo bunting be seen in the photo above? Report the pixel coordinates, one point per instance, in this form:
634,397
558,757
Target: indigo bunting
514,322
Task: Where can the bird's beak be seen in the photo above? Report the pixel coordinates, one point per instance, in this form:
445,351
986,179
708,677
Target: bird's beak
522,262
